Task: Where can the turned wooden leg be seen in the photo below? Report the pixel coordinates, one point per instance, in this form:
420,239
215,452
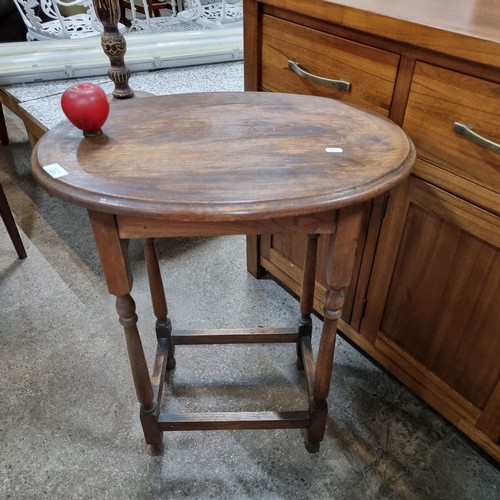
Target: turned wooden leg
116,267
341,258
307,294
160,308
125,306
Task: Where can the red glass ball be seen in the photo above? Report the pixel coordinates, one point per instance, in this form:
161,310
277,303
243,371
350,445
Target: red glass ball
86,107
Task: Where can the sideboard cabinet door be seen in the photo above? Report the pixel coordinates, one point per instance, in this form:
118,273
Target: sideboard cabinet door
433,306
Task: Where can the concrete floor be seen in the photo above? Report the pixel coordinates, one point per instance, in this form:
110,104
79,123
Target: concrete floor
69,424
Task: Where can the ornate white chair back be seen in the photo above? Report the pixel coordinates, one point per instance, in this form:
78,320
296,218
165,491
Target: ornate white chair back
57,25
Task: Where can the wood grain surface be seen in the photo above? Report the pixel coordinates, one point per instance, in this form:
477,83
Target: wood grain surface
219,156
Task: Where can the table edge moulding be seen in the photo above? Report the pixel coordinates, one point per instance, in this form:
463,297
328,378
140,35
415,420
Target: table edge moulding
423,301
89,185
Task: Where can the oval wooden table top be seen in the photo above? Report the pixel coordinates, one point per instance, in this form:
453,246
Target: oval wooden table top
225,156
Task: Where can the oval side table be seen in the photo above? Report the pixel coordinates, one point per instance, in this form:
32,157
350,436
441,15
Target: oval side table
218,164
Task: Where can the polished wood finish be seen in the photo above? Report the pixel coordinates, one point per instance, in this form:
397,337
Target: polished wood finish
467,29
444,97
235,163
286,133
423,296
443,278
371,72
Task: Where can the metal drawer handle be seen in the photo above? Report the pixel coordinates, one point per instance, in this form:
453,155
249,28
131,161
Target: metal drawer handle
339,84
468,133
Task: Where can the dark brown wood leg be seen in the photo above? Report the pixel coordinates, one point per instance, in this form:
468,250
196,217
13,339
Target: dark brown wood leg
4,136
116,267
160,308
10,225
307,294
253,254
341,258
125,306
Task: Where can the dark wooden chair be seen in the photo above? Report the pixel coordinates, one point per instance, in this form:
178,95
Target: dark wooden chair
154,7
10,224
4,136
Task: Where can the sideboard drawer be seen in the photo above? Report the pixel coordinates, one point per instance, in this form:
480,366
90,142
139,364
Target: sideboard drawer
370,72
441,104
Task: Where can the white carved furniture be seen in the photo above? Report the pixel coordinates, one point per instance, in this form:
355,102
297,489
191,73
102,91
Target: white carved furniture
45,20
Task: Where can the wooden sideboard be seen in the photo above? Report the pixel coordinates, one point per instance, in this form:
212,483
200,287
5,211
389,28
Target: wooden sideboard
425,301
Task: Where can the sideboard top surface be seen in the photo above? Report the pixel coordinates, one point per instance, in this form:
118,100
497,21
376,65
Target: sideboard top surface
469,29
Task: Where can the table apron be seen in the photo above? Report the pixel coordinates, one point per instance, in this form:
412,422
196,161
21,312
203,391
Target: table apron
144,227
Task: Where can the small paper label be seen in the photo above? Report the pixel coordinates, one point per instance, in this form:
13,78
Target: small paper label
334,150
55,170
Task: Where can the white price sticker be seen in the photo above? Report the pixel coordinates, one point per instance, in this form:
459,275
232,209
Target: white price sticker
55,170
